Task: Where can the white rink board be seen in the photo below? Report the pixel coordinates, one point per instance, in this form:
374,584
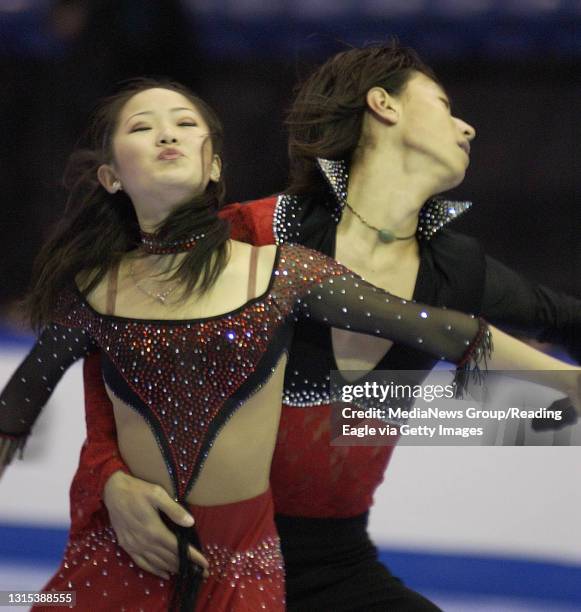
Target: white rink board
503,501
523,501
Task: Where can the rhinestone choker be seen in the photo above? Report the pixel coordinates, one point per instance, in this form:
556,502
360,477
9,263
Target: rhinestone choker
152,244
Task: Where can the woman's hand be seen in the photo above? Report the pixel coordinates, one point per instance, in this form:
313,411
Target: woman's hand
134,507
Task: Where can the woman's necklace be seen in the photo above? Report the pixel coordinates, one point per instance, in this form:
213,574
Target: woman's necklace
152,244
158,297
385,235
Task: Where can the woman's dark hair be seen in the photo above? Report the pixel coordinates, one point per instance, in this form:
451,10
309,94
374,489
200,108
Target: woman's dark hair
326,117
98,228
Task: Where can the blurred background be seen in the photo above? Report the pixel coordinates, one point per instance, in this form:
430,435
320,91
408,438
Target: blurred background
511,68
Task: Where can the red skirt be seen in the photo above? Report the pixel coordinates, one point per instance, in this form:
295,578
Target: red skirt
239,540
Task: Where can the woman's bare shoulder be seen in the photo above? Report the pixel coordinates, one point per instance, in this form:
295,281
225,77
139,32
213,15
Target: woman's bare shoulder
97,294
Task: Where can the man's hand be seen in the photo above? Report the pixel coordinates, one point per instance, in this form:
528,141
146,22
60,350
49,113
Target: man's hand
134,507
569,407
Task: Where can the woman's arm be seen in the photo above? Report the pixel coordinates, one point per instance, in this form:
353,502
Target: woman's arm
100,458
31,386
522,361
346,301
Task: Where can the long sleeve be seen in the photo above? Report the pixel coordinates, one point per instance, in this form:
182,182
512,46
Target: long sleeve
101,457
512,301
32,384
337,297
348,302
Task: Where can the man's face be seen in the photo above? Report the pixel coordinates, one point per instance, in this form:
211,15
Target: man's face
433,139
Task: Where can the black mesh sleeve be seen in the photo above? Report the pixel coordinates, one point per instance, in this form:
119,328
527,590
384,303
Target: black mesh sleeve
348,302
512,301
31,385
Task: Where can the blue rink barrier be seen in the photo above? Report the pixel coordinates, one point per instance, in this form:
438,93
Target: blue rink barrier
11,338
485,575
425,571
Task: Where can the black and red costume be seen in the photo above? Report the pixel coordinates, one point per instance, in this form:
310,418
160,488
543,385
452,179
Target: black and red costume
186,378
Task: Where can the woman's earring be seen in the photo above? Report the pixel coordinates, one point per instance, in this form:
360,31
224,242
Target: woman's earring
117,186
215,173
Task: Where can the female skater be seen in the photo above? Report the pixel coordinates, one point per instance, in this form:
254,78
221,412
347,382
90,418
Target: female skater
193,329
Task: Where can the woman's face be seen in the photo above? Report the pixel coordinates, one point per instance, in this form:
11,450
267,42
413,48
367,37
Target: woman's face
162,148
431,134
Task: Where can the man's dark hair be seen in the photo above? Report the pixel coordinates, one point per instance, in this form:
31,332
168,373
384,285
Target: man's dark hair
326,117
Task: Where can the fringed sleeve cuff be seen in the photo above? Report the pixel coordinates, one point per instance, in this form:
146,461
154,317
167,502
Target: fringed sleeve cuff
10,445
473,365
